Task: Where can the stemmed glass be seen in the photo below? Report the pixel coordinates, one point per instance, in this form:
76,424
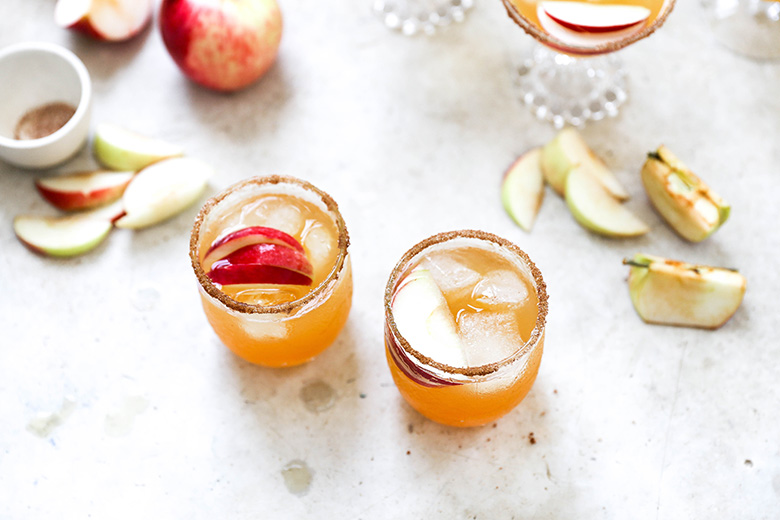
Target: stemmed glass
414,16
573,76
749,27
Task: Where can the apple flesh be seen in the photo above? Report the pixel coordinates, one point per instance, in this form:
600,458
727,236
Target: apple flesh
597,210
595,18
62,236
678,293
111,20
245,237
567,151
83,190
223,45
522,190
423,318
687,204
121,149
261,264
163,190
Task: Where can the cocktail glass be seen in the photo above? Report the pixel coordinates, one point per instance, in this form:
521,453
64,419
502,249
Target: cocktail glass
750,28
414,16
277,324
573,76
495,312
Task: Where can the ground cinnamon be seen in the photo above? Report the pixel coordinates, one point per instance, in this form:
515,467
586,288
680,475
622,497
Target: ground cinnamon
43,120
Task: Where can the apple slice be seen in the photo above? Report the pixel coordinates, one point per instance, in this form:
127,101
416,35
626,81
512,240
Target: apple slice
678,293
84,190
244,237
596,209
595,18
567,151
62,236
522,190
263,263
112,20
121,149
687,204
423,317
163,190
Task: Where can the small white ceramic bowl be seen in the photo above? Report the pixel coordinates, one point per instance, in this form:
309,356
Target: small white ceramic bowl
33,74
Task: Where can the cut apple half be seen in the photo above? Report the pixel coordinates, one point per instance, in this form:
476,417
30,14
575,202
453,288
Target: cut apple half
522,190
264,263
62,236
245,237
121,149
568,150
687,204
163,190
112,20
595,18
597,210
423,318
84,190
671,292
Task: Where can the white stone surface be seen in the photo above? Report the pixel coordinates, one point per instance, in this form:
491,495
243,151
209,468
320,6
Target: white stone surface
411,137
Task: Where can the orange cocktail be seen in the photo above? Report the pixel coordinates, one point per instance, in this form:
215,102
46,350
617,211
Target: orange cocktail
464,326
271,257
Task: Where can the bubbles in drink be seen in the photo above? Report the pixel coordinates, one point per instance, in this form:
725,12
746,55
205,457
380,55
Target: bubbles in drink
500,287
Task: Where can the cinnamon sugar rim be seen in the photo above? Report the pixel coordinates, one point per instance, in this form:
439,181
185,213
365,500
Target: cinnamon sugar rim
545,38
482,370
248,308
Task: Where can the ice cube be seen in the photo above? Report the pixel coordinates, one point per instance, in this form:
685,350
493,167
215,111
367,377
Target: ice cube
319,243
500,287
281,215
488,336
451,275
264,327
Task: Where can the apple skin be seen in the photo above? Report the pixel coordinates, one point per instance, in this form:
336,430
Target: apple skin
61,236
522,189
245,237
672,292
118,148
136,18
223,45
84,190
263,263
596,22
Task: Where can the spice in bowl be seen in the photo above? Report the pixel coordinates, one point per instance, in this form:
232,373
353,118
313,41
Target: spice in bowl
43,120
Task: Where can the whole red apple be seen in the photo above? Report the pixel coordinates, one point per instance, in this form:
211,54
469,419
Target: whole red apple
222,44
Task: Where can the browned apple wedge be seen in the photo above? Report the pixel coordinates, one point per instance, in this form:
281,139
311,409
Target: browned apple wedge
678,293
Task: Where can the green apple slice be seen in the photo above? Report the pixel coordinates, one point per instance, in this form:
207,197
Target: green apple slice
163,190
687,204
62,236
522,190
597,210
423,317
678,293
567,151
121,149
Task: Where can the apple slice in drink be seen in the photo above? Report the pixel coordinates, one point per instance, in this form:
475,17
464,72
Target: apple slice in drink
163,190
596,209
112,20
423,318
687,204
83,190
264,263
595,18
522,190
244,237
567,151
62,236
678,293
121,149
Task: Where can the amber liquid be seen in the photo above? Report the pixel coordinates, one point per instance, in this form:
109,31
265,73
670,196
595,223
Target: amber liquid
282,339
528,8
495,307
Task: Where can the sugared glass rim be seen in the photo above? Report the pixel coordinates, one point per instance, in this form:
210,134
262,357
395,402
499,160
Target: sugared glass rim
282,308
482,370
547,39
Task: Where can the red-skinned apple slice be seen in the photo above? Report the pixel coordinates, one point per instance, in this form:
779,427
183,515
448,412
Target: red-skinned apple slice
595,18
84,190
244,237
63,236
263,263
522,190
112,20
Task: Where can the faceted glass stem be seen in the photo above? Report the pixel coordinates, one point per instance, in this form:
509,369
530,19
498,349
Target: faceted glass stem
414,16
749,27
566,90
